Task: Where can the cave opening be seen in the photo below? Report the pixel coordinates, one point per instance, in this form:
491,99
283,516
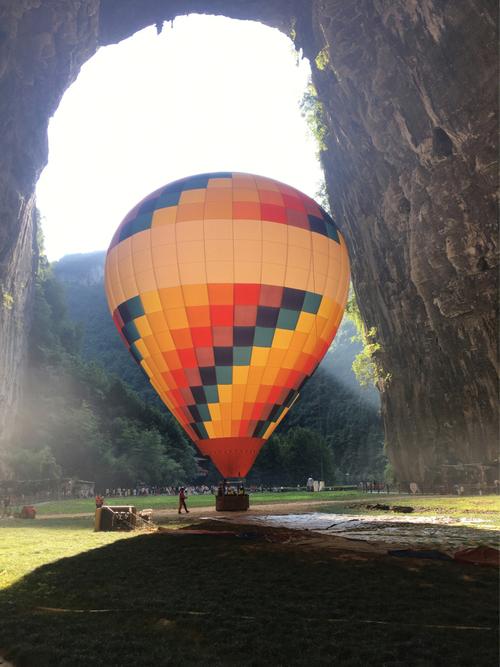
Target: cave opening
198,94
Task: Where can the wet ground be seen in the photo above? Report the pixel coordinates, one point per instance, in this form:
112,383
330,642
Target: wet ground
437,532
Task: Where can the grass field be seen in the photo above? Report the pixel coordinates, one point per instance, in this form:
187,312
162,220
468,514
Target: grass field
72,597
170,502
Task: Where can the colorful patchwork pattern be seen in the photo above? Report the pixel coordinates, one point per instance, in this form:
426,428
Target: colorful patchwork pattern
227,289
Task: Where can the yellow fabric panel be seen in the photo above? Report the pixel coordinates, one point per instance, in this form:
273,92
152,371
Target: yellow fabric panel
225,393
177,318
260,356
165,341
220,183
195,295
145,281
143,326
220,272
272,231
247,272
192,230
163,235
171,297
193,196
295,277
218,229
282,338
151,301
273,274
240,375
220,249
248,229
164,216
192,273
190,251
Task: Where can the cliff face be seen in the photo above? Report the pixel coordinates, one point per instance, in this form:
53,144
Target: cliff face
409,95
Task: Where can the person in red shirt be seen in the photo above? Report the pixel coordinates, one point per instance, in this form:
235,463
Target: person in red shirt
182,500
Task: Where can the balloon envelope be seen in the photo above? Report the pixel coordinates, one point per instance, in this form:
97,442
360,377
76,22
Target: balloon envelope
228,289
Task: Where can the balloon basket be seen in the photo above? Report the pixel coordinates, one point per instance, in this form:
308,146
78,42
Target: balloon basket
231,497
236,503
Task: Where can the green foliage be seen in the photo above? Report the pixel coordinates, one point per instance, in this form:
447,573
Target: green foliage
365,366
7,299
291,457
322,59
76,420
314,113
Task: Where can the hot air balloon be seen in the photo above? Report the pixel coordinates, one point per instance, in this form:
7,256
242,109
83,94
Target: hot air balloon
227,289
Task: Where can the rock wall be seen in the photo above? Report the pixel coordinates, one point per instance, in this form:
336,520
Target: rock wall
409,95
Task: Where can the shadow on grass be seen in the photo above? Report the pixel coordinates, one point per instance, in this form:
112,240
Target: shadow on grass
176,600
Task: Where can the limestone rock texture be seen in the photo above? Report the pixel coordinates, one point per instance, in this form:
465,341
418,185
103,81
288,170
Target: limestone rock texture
409,104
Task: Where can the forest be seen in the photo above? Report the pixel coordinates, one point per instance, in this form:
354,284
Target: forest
87,411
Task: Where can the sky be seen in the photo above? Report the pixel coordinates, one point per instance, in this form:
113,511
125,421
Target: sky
207,94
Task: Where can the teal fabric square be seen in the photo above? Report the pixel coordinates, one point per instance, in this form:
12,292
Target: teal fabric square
287,319
224,374
263,337
311,303
204,412
212,394
241,356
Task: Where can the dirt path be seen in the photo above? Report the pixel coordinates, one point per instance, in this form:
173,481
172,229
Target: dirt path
255,510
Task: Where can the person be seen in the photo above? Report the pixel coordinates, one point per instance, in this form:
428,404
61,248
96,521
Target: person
99,501
182,500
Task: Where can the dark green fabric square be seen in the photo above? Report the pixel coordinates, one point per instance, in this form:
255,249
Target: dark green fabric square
263,337
131,332
241,356
311,303
287,319
224,374
204,412
212,394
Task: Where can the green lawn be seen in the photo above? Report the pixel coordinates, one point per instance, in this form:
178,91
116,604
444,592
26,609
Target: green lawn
163,599
169,502
25,545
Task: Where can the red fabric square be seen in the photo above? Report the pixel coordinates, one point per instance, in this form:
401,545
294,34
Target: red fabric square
257,411
246,210
274,395
246,295
223,336
205,356
273,213
312,208
188,358
270,295
187,396
117,319
193,376
221,315
181,338
297,218
180,378
245,316
293,202
202,337
243,430
172,360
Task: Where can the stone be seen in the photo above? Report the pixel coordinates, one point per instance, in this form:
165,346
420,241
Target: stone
409,92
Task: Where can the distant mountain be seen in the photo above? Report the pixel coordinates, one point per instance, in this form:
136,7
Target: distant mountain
332,403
